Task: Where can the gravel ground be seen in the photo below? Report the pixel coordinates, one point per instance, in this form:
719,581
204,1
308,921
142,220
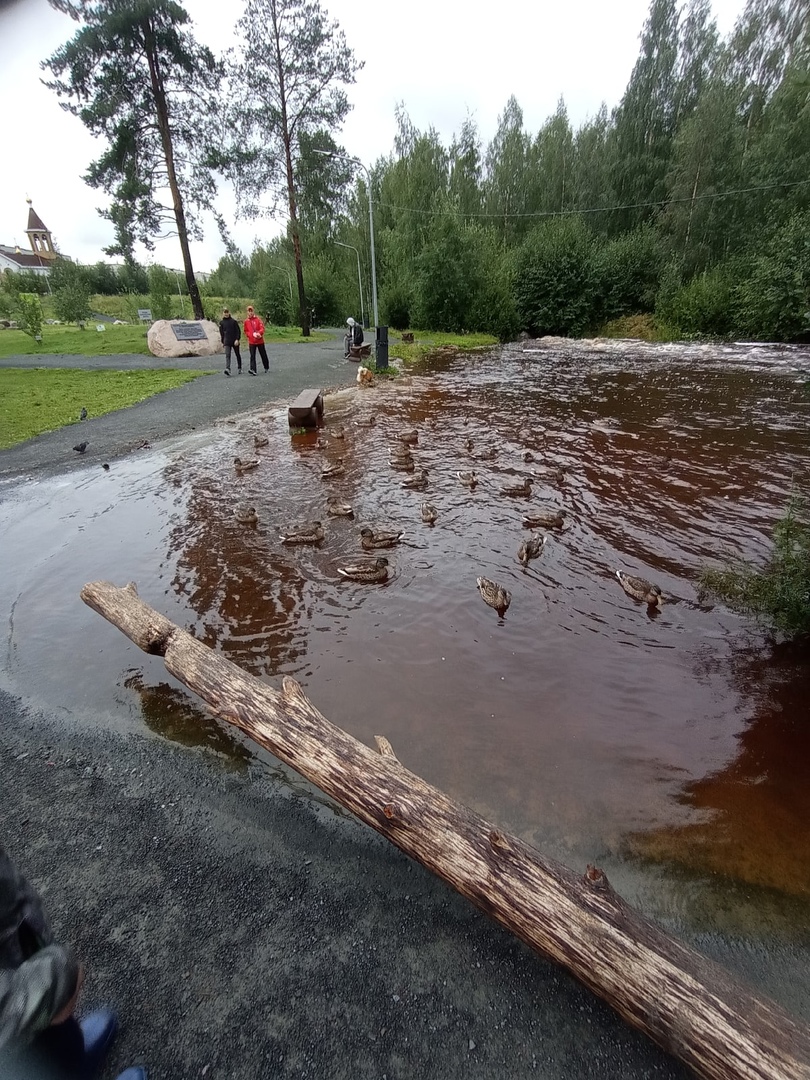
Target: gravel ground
242,928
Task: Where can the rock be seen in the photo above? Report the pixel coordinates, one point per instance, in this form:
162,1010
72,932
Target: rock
162,341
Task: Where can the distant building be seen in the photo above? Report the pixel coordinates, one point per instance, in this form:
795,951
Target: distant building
39,257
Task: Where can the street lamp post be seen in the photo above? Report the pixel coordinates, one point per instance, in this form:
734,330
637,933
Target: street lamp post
359,278
356,161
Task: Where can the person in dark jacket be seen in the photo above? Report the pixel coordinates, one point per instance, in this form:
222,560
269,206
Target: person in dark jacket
229,334
353,338
40,982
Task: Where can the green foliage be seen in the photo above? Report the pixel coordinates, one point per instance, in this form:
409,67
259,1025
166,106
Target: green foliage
24,307
448,276
273,298
71,303
25,281
396,304
628,269
325,299
704,307
779,594
775,300
162,287
555,284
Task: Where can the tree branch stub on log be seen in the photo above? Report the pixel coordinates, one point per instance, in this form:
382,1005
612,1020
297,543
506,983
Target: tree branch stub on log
689,1005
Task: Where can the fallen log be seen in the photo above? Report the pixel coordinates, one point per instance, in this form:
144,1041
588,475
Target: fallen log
686,1003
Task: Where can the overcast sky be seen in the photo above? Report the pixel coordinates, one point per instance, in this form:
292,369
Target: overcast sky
442,58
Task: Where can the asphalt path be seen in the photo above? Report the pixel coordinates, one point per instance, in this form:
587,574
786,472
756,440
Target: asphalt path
243,928
194,406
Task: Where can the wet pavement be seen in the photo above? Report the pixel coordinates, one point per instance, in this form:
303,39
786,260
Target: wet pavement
668,748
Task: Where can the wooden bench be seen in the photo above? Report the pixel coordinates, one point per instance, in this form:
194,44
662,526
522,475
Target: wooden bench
360,352
307,409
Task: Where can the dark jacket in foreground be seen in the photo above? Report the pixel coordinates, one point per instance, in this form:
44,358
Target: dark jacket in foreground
37,977
229,331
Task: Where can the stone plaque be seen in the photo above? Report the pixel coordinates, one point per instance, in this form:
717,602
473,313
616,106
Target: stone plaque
189,331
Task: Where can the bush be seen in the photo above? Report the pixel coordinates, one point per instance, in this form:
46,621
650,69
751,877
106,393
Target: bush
704,307
324,299
778,595
628,271
449,276
396,304
71,303
162,286
774,301
555,285
273,299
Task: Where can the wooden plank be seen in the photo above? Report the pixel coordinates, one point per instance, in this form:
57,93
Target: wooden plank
686,1003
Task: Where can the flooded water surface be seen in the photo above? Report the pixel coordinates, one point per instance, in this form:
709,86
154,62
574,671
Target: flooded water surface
671,746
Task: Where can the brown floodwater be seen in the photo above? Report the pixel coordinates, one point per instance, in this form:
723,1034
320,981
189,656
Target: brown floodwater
670,747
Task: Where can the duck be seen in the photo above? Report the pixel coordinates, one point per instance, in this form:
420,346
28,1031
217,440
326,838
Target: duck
417,482
406,464
547,472
641,589
545,519
305,532
530,549
527,456
400,453
487,455
247,515
370,571
337,508
429,513
260,440
365,421
524,488
468,445
468,479
243,466
336,469
495,595
337,433
410,438
371,539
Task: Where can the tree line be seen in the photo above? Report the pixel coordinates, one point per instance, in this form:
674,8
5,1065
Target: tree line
689,202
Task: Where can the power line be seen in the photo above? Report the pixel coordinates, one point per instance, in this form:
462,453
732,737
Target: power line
595,209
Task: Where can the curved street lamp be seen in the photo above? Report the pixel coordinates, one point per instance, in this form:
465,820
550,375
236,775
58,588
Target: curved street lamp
359,279
284,270
356,161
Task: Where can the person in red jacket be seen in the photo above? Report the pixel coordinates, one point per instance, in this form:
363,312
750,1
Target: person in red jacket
254,332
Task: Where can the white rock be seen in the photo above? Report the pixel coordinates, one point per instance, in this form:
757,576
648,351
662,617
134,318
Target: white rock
162,341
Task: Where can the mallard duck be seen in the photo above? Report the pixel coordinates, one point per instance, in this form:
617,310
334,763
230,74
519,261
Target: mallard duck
468,445
243,466
429,513
335,469
640,589
410,438
365,421
530,549
417,482
337,508
367,570
555,476
487,455
527,456
402,463
468,479
260,440
337,433
545,519
305,532
246,515
495,595
524,488
371,539
400,453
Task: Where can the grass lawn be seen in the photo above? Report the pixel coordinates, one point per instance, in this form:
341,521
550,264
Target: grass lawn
67,340
426,342
33,400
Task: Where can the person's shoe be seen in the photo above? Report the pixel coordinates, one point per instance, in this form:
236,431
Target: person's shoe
227,373
253,373
239,371
135,1072
98,1031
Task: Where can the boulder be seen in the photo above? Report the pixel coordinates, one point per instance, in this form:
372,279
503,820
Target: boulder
163,341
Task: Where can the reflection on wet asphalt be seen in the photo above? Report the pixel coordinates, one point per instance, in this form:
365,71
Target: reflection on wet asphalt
593,728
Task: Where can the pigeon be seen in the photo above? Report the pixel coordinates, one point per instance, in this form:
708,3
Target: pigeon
105,467
81,447
83,414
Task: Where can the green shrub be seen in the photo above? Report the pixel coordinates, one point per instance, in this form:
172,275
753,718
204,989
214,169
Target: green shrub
628,271
555,284
779,594
71,303
162,288
774,300
704,307
323,295
273,299
396,304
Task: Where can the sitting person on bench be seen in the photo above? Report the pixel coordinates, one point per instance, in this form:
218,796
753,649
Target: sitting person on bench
353,338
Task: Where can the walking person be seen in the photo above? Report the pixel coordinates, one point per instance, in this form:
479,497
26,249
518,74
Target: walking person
40,983
254,332
229,335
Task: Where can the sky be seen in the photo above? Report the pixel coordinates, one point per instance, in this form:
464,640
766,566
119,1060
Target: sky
442,59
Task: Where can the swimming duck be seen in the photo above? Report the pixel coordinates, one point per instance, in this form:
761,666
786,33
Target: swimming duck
398,452
524,488
641,589
545,519
305,532
247,515
365,421
547,472
417,482
527,456
243,466
495,595
410,438
468,479
405,464
468,445
487,455
429,513
370,539
530,549
370,571
337,508
338,433
336,469
260,440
